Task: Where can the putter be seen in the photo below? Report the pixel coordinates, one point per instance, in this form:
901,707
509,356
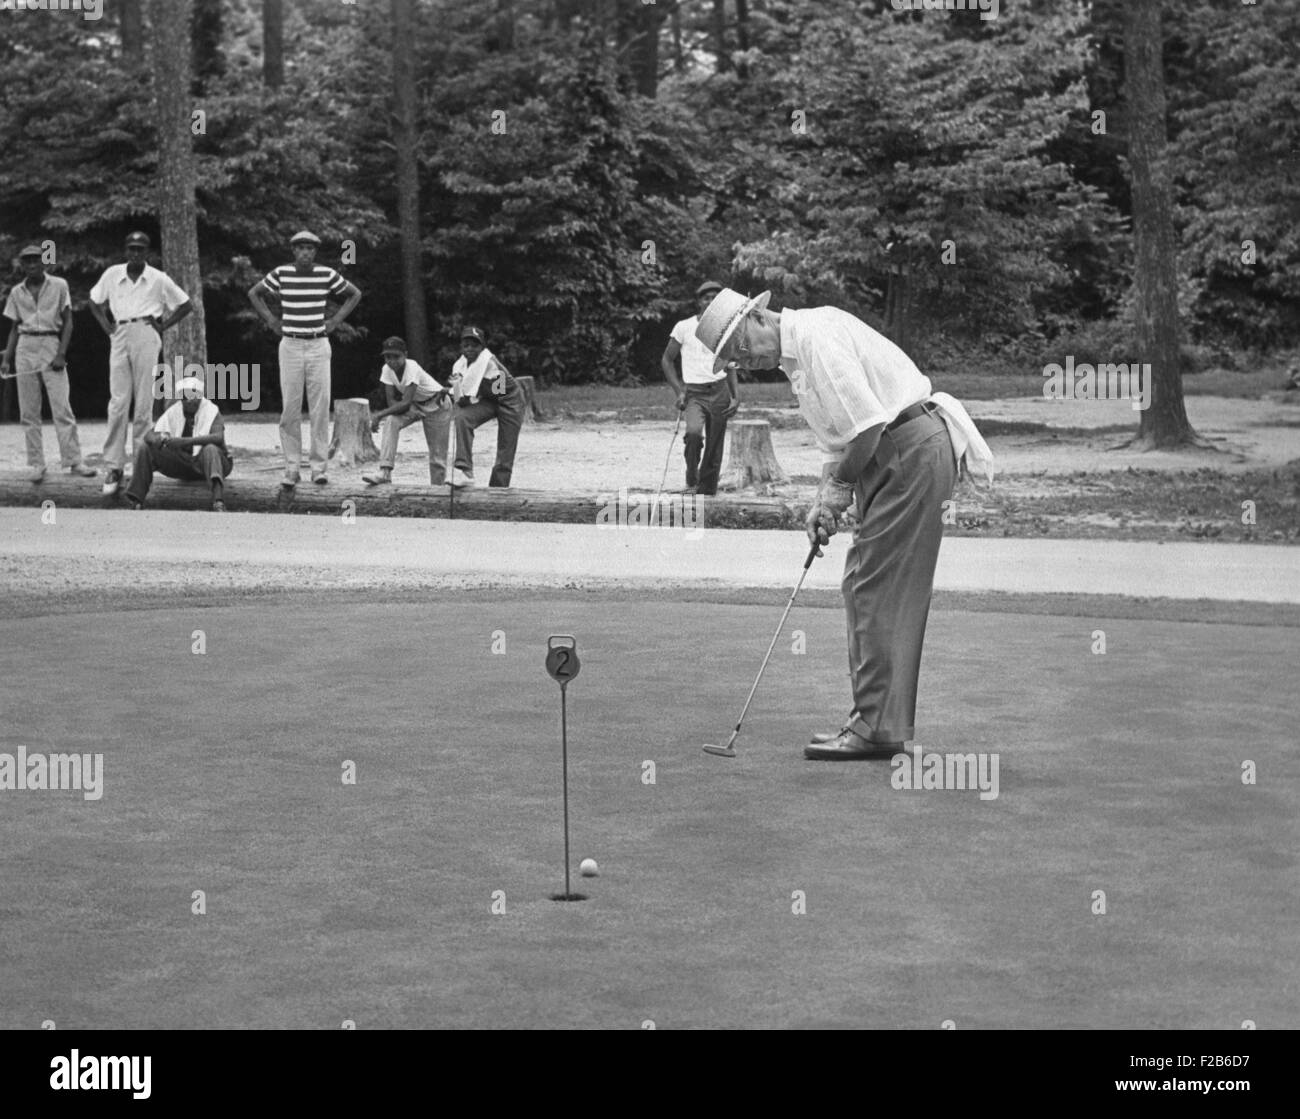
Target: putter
668,460
729,750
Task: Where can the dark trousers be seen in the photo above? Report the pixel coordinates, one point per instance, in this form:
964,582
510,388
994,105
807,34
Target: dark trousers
210,464
706,430
508,411
889,573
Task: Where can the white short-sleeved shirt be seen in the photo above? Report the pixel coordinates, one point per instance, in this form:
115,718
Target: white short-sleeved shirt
154,293
846,376
697,358
41,310
413,373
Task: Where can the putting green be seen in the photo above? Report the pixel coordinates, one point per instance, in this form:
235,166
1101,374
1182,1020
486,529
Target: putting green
222,772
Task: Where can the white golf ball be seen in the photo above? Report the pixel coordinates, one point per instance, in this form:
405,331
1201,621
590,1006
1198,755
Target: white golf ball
588,868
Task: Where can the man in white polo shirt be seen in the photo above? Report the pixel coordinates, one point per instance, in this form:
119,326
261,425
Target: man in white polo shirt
708,398
303,289
886,448
413,396
143,302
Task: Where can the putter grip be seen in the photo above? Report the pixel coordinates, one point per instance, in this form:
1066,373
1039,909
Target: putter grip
812,555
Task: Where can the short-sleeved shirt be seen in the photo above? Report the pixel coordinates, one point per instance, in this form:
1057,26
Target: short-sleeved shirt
846,376
413,373
152,294
302,294
485,377
41,310
697,358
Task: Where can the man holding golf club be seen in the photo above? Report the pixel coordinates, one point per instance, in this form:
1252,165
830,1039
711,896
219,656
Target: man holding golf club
890,458
40,310
707,398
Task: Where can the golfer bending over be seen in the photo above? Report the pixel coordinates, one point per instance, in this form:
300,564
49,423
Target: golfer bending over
892,450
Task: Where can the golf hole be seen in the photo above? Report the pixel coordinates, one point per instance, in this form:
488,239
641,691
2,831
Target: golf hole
568,897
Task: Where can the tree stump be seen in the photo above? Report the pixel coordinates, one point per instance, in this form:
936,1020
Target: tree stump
751,460
352,441
529,388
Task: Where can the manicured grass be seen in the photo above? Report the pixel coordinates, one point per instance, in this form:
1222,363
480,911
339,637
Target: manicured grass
373,902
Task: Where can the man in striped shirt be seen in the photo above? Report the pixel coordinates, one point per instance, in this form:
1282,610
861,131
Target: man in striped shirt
303,289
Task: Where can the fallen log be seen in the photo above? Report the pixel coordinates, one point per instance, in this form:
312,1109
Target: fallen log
252,495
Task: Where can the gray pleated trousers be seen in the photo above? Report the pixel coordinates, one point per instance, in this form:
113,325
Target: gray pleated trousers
889,573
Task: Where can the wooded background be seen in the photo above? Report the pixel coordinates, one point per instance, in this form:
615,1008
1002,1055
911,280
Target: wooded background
961,183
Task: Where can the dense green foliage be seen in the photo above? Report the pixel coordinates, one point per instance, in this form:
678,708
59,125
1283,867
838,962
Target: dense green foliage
828,143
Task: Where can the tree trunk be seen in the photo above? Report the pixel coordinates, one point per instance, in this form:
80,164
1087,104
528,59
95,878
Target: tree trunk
638,43
352,441
679,60
742,33
132,32
1155,275
720,35
751,461
177,215
206,45
408,179
272,43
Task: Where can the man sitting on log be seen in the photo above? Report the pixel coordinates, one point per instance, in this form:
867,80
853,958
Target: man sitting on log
484,390
413,395
187,442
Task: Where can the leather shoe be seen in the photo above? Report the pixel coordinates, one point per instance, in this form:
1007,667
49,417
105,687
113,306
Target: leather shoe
850,747
829,736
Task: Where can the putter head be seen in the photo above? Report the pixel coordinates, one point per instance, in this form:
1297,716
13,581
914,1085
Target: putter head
720,751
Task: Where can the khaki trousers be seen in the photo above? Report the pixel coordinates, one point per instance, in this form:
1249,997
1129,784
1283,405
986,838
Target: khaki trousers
131,362
32,357
889,573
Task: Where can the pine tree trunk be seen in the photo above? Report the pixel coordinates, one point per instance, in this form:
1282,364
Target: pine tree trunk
177,216
408,179
272,43
720,35
1155,277
751,460
351,441
132,30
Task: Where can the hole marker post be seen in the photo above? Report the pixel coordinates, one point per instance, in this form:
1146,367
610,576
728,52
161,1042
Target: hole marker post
563,664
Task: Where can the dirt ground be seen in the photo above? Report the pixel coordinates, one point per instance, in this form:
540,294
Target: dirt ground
1061,468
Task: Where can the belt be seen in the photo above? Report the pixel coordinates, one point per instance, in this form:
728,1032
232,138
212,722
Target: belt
142,318
306,337
907,415
38,334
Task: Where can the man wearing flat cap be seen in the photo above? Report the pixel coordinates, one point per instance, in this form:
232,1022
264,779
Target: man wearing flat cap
142,302
708,398
40,311
187,442
890,454
484,390
413,397
303,289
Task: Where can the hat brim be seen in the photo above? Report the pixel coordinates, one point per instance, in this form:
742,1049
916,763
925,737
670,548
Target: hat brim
760,302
